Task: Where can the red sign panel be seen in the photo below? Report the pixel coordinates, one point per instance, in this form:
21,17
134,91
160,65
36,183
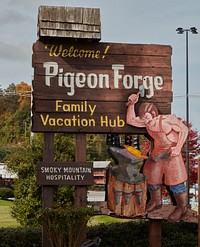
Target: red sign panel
83,87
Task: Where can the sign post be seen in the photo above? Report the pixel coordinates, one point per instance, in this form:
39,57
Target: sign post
47,191
82,87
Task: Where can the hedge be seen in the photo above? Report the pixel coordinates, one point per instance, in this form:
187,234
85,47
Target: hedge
20,237
6,193
127,234
136,234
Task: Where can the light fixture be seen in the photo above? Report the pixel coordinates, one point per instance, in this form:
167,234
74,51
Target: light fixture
193,30
180,30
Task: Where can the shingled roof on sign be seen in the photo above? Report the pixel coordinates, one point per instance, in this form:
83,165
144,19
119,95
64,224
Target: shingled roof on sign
69,22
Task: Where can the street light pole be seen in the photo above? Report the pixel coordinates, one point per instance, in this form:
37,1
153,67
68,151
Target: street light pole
193,30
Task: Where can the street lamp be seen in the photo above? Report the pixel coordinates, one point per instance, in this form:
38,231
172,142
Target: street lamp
193,30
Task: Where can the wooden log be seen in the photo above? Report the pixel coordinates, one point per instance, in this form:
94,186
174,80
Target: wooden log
119,48
47,191
126,200
155,233
81,191
83,107
69,22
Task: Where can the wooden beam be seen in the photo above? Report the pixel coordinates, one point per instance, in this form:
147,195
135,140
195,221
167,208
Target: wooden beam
155,233
69,22
81,191
47,191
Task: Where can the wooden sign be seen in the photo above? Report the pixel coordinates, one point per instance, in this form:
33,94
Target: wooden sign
69,22
84,87
57,173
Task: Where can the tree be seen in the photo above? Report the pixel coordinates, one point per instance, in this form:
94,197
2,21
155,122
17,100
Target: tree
194,151
8,100
23,90
96,147
23,160
15,113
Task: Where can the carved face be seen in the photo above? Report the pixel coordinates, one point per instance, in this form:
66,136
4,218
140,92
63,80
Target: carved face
149,119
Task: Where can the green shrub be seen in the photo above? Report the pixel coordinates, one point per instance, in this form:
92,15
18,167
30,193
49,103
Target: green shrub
6,193
126,234
20,237
180,234
134,233
66,225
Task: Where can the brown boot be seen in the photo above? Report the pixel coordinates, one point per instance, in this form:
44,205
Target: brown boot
155,201
181,209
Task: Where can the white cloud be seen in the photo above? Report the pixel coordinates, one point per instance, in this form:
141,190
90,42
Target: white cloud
14,53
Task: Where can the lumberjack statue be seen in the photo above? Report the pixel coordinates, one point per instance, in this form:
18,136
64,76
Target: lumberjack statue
165,160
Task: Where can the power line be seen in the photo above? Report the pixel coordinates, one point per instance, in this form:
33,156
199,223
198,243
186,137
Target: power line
190,95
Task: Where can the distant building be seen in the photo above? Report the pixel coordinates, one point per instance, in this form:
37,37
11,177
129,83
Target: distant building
100,168
97,191
4,173
6,177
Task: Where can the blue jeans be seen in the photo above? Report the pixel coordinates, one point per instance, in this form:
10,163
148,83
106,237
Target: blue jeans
176,189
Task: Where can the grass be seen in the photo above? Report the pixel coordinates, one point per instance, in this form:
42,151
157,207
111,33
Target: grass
6,220
105,219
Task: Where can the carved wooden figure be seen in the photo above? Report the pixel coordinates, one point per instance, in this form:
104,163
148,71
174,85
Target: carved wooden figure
165,161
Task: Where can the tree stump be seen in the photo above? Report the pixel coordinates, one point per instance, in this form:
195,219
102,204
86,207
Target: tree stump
126,200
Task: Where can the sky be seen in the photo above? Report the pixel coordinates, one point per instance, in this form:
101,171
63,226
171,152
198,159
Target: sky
127,21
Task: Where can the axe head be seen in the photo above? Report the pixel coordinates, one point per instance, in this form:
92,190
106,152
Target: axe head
142,91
